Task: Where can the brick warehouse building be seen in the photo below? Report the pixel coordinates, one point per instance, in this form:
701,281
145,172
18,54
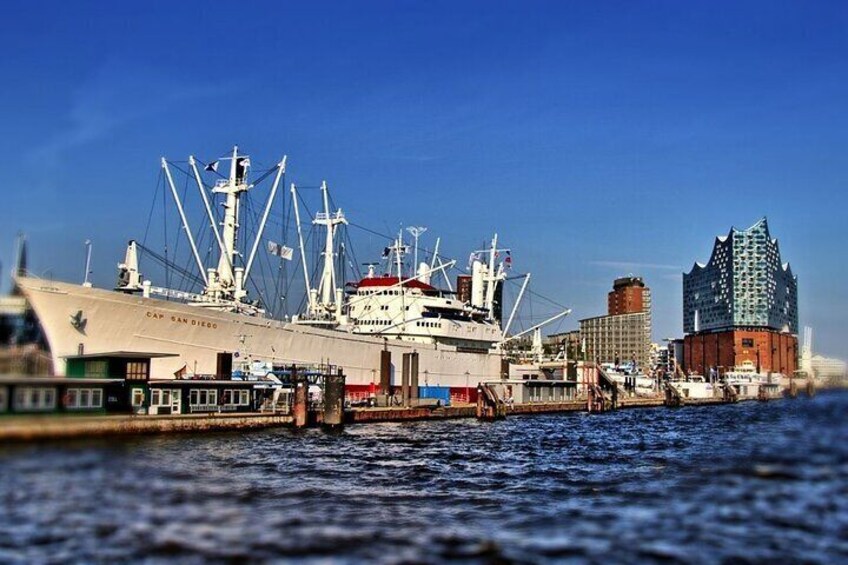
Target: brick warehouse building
740,310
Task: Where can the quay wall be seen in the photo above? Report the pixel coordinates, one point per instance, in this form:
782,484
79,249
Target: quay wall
46,427
365,415
55,427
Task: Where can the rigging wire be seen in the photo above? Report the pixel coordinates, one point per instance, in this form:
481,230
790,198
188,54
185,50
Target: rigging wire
165,230
252,217
177,238
163,261
281,278
281,269
153,205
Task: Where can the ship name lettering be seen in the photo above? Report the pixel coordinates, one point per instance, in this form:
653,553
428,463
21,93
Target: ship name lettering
181,320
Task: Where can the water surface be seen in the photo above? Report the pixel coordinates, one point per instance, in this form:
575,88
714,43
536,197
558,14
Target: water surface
748,482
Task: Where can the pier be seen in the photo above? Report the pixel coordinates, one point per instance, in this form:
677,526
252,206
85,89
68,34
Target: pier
28,428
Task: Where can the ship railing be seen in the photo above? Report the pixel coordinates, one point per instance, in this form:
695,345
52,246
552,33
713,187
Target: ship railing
463,397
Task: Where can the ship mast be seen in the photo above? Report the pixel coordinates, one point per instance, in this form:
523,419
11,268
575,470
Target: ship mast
232,188
325,303
224,286
327,287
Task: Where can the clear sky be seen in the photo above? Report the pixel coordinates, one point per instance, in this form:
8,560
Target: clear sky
598,138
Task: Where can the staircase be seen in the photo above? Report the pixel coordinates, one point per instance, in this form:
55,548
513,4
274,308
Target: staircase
279,403
730,393
489,405
673,397
608,388
597,401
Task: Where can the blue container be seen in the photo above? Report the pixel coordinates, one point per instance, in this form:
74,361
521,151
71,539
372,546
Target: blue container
441,393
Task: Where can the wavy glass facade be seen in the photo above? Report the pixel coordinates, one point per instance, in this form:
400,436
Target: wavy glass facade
744,284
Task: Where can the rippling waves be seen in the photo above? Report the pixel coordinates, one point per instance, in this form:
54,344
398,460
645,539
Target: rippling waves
748,482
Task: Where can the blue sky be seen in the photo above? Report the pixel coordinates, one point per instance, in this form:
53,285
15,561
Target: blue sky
598,138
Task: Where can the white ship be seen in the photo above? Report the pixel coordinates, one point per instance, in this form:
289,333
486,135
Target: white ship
458,342
628,375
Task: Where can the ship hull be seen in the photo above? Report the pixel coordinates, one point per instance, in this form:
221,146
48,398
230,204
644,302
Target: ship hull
78,319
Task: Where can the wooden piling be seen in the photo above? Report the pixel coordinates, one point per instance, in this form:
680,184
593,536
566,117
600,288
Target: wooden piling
413,377
811,387
300,408
404,378
386,372
333,416
793,389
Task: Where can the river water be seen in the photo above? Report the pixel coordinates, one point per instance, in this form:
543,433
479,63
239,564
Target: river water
748,482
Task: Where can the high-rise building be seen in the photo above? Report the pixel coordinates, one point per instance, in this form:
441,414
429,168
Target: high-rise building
617,339
624,334
628,295
740,309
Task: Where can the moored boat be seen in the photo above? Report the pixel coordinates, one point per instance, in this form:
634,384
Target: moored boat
399,310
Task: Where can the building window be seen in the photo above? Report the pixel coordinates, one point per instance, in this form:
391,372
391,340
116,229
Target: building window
747,342
96,369
236,397
138,397
160,397
4,401
84,398
35,398
137,371
201,400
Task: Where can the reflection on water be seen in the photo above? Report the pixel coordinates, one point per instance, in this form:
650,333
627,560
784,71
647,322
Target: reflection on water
744,482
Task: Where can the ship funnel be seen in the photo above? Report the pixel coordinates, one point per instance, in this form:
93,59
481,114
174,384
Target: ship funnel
424,273
477,284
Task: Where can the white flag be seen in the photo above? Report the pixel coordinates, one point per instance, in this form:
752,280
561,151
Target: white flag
281,251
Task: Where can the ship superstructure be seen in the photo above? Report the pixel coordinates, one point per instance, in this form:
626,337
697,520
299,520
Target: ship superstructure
410,308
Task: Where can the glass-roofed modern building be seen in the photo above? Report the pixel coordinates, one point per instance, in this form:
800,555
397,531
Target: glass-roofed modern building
740,310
